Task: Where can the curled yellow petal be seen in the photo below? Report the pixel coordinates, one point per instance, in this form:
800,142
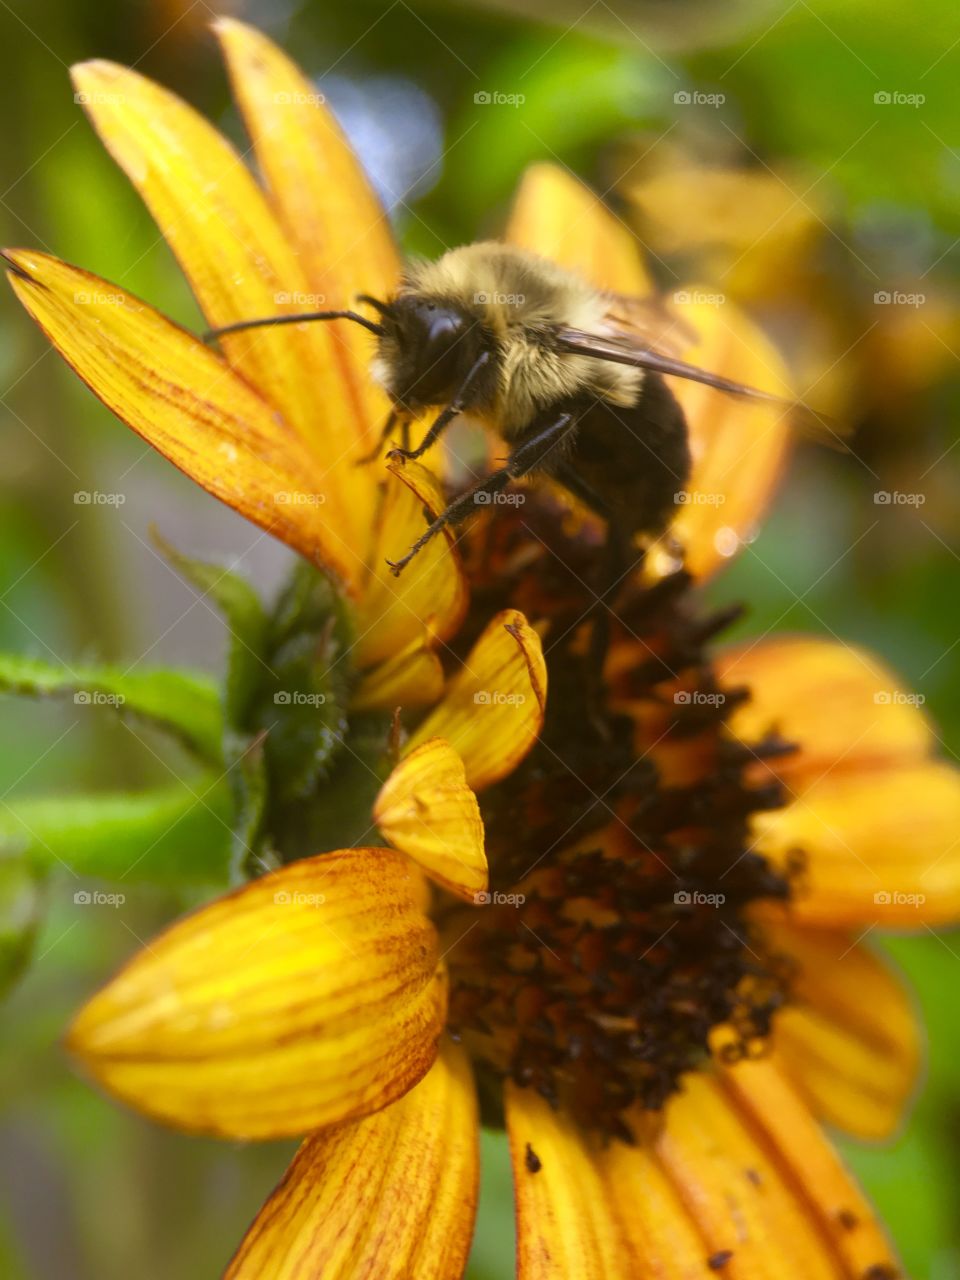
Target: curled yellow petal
320,193
876,848
738,447
389,1197
183,399
850,1039
493,708
411,678
430,596
558,217
426,810
234,253
306,998
566,1227
842,707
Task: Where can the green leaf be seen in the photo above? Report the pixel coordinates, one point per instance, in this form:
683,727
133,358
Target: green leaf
185,703
21,906
171,835
246,620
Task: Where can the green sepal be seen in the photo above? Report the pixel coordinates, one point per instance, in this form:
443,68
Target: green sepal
184,703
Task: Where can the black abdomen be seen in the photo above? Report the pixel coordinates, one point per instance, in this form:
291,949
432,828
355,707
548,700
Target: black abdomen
631,463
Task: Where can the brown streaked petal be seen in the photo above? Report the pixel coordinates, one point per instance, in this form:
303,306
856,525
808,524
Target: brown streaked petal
842,707
426,810
739,447
850,1040
567,1228
430,596
183,399
320,193
306,998
766,1106
558,217
493,708
234,253
389,1197
877,848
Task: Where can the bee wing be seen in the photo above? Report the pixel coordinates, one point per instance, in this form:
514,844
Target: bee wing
644,335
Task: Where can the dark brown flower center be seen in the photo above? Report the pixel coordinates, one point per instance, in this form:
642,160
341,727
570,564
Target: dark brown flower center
617,936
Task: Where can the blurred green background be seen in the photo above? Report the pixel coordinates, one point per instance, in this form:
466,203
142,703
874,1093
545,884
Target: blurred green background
844,111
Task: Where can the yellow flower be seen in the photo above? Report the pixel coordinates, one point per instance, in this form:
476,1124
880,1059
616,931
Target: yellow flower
678,875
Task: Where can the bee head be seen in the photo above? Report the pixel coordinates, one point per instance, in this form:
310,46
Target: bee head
427,348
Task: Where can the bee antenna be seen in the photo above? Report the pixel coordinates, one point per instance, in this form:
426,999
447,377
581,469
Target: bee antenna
297,318
384,308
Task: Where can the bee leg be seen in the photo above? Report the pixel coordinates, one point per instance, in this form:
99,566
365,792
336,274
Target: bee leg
443,420
529,455
388,426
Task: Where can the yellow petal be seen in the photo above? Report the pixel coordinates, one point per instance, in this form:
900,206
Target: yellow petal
878,847
230,246
321,194
850,1041
566,1229
768,1203
427,811
738,446
306,998
842,707
411,678
183,399
493,708
558,217
389,1197
812,1170
430,596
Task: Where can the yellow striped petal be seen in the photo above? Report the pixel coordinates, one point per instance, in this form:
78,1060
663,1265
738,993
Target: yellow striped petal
234,253
426,810
738,447
389,1197
306,998
558,217
182,398
319,191
851,1039
840,705
411,678
878,847
813,1174
493,708
430,595
566,1228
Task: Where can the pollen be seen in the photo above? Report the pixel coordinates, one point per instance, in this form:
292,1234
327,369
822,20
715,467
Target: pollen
618,937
